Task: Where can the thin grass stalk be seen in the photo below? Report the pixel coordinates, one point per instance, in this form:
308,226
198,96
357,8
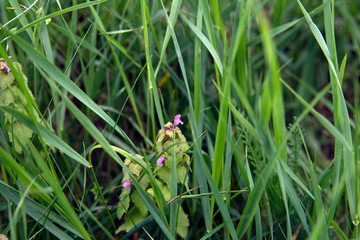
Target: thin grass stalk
197,68
341,114
122,73
173,190
150,71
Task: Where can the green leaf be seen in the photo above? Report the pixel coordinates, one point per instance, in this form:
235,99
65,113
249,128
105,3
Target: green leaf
50,137
37,212
206,43
183,223
6,79
132,218
138,203
124,204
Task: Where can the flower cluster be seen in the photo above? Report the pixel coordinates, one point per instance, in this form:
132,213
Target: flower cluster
169,128
161,159
127,185
169,140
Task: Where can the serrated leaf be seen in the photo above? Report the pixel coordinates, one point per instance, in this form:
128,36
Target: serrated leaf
182,227
181,174
21,134
6,97
135,169
164,190
138,203
145,181
164,173
123,205
6,79
131,219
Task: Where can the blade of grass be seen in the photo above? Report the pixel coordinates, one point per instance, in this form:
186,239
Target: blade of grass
69,9
197,69
278,112
35,211
53,182
258,226
174,13
66,83
210,29
204,41
260,184
23,19
151,75
320,228
101,28
173,190
218,160
48,136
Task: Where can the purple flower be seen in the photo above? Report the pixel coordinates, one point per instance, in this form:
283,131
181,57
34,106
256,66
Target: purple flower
160,160
177,120
6,67
127,185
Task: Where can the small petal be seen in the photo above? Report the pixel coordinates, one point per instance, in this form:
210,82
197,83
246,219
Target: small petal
160,160
127,185
6,67
177,120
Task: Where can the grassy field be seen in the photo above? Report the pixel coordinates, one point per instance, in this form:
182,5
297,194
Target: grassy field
267,146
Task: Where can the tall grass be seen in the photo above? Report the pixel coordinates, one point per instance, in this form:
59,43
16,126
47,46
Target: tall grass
268,92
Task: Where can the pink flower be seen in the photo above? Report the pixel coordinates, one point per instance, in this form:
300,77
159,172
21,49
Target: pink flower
177,120
5,66
160,160
127,185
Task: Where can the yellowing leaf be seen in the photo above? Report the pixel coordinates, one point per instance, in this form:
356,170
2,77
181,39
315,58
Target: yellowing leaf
123,205
131,219
6,79
22,134
164,173
6,97
181,175
182,224
138,203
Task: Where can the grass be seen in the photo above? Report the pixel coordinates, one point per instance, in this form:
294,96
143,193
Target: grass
269,97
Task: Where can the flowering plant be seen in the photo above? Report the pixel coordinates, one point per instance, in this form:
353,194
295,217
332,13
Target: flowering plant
130,202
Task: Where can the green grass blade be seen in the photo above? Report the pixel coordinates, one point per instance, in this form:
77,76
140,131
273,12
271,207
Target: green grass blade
206,43
48,136
218,161
66,83
198,70
151,75
23,19
54,184
324,122
173,190
69,9
36,211
278,112
219,200
320,228
174,13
